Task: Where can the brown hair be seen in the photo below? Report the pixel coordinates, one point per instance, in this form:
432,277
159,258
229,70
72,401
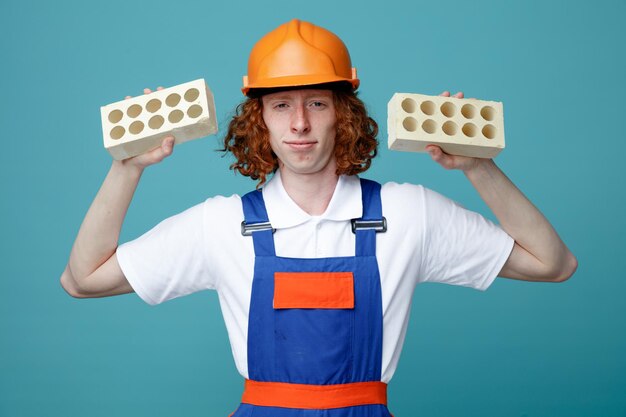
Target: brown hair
248,138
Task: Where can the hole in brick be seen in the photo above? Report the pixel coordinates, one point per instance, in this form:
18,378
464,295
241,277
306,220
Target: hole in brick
469,129
134,110
115,116
428,108
153,105
194,111
488,113
429,126
410,124
172,100
468,111
409,105
117,132
192,94
136,127
450,128
448,109
175,116
490,131
156,122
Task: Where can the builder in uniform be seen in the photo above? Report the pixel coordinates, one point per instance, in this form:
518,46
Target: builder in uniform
315,271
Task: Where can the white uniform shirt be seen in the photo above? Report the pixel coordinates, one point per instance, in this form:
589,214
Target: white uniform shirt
429,239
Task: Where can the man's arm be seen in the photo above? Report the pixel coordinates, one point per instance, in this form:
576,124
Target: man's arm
93,269
539,254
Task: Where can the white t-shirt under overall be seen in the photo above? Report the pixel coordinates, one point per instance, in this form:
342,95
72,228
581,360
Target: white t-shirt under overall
429,239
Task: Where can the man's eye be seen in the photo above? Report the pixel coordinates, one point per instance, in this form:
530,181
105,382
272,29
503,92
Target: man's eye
318,104
280,106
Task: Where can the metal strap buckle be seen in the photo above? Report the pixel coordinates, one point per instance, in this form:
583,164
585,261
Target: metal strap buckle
379,226
248,229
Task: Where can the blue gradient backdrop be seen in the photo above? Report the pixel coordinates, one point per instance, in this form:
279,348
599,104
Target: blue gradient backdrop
519,349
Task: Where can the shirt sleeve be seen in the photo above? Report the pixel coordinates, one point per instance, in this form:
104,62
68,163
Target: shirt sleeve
460,246
170,260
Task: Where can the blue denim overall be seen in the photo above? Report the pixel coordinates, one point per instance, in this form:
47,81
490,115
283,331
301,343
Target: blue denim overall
314,347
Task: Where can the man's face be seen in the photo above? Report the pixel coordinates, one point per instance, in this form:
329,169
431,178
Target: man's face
302,129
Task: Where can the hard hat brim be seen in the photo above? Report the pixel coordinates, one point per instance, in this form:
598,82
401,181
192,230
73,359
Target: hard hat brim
297,81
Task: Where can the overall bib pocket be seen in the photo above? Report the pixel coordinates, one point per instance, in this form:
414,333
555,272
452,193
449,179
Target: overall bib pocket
314,325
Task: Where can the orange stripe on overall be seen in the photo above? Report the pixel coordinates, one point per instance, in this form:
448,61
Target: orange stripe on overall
287,395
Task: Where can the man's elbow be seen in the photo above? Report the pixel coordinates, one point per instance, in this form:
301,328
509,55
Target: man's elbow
566,269
69,284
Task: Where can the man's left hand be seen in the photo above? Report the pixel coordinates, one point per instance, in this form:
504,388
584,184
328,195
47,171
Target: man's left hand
464,163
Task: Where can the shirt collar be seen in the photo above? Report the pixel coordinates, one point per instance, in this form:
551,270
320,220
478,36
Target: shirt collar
283,212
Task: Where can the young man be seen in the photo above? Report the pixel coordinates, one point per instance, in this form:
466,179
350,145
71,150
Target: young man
316,271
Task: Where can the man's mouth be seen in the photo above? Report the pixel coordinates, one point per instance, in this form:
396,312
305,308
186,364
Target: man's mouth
300,144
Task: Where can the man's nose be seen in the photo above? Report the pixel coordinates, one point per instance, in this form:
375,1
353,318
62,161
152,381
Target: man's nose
300,121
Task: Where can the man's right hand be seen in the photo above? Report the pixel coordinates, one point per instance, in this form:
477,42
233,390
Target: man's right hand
151,157
154,156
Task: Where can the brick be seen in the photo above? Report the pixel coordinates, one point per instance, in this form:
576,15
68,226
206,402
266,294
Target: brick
137,125
459,126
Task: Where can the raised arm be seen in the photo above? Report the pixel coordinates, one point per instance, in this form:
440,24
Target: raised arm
539,254
93,270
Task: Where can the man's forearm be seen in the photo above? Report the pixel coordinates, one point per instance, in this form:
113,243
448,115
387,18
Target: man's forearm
99,233
520,218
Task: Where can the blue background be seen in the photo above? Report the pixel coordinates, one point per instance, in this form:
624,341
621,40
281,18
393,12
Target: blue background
519,349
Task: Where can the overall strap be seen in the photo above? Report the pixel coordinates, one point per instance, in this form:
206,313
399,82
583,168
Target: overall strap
256,223
372,221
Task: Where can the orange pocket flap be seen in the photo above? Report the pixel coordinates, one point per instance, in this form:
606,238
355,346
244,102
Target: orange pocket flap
313,290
